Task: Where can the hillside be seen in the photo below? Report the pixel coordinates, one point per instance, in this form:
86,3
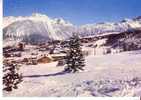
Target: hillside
102,77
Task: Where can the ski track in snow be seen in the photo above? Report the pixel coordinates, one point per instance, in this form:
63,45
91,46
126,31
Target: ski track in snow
105,75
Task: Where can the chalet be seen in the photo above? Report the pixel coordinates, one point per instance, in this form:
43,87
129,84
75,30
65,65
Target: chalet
21,46
30,61
57,57
16,54
44,59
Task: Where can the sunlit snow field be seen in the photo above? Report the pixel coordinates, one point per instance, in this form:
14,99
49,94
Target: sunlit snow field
104,75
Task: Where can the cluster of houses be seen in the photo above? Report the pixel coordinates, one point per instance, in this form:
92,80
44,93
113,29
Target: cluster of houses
56,51
46,53
19,54
11,51
111,43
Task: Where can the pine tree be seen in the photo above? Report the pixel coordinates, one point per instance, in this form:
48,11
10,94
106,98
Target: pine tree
75,60
11,77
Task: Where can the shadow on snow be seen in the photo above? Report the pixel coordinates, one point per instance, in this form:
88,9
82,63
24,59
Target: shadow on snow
48,75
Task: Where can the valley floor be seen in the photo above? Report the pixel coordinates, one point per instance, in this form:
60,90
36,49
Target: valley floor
105,75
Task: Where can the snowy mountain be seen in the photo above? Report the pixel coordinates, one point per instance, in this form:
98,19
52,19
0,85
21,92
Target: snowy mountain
36,28
39,27
105,28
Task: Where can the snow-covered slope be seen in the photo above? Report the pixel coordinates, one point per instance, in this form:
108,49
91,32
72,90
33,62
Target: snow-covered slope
100,28
102,77
39,27
36,27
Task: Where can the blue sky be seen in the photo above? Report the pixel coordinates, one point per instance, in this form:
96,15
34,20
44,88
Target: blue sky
76,11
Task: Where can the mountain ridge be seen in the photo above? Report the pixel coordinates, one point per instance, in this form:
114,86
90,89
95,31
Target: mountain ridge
39,25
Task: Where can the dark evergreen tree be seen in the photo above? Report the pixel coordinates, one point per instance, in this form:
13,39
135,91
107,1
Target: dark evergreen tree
75,60
11,77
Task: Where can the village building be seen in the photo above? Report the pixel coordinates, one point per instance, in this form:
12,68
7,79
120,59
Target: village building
21,46
44,59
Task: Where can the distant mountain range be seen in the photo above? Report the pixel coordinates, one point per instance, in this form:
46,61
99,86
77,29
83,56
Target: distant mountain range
39,28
